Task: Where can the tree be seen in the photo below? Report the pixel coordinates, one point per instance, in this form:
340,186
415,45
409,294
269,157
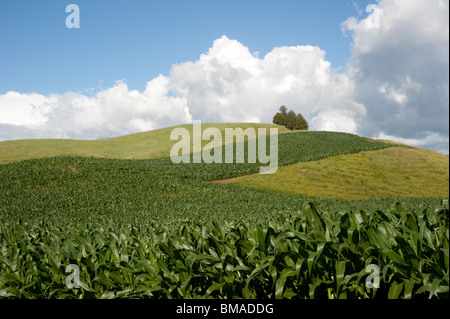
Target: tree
279,119
291,120
283,110
301,123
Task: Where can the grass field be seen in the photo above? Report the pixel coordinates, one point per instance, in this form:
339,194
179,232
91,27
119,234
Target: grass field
392,172
148,228
146,145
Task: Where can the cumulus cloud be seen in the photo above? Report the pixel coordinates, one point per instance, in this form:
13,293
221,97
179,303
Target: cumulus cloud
111,112
395,86
439,142
400,69
23,109
228,83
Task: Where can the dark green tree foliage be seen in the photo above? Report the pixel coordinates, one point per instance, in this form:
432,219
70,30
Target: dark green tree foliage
283,110
290,119
301,123
279,119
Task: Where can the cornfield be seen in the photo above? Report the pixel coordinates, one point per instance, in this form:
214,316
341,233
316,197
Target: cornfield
73,227
301,255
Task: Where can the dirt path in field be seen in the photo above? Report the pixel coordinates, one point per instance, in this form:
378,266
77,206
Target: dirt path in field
226,181
73,169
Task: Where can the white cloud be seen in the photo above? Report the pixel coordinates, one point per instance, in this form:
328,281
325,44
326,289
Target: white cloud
111,112
400,71
334,121
229,84
23,109
429,138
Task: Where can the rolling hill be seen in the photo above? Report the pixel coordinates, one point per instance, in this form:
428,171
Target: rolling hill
402,171
136,225
145,145
387,173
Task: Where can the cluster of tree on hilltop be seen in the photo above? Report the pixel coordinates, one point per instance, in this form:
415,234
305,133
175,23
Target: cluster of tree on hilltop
290,119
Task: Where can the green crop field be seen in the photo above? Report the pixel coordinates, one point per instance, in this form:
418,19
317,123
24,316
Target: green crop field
148,228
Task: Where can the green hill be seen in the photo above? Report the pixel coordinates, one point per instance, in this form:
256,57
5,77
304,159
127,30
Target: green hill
338,166
139,226
146,145
318,164
395,172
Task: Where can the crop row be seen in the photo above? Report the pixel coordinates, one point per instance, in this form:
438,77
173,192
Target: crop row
151,228
292,148
306,254
129,191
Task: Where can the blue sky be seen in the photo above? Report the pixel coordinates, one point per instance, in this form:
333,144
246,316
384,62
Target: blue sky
137,65
137,40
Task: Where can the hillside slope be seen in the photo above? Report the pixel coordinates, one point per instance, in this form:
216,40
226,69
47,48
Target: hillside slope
313,164
145,145
150,228
386,173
